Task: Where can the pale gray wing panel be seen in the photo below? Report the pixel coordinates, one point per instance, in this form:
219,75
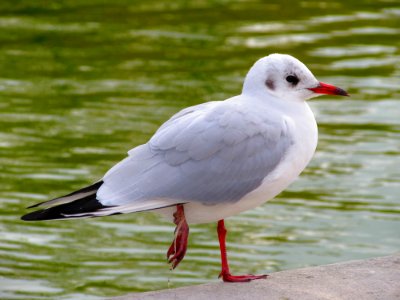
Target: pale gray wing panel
226,176
213,156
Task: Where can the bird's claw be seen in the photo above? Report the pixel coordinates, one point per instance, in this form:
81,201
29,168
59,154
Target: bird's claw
227,277
176,252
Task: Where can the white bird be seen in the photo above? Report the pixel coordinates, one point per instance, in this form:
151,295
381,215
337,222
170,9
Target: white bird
212,160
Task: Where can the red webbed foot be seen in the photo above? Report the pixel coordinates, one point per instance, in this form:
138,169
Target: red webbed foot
177,250
227,277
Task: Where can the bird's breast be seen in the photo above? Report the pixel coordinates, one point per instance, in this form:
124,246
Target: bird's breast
304,133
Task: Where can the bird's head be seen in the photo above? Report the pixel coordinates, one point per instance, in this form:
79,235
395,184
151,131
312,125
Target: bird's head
285,77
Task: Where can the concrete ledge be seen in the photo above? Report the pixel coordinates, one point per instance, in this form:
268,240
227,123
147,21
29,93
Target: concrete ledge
376,278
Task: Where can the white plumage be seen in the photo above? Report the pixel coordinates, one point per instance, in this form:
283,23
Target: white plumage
213,160
222,157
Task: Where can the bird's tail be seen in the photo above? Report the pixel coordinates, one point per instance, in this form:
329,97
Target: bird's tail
75,205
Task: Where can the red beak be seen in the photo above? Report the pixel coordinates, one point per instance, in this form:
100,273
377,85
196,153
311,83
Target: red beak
324,88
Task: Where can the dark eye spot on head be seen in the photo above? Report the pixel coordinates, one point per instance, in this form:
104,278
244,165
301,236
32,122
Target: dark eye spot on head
270,84
292,79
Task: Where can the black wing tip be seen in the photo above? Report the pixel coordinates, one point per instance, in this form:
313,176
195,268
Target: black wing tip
94,187
42,215
77,209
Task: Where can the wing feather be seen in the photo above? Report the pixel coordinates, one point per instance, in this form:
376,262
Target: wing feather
210,154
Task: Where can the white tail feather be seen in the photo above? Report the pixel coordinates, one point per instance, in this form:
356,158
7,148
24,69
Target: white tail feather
125,209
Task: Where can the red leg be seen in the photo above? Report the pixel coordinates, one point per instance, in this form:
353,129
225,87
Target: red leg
177,250
225,273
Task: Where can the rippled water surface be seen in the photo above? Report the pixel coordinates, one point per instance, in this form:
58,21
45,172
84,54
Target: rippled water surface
82,82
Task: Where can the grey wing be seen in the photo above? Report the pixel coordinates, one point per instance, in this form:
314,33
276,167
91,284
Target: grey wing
214,154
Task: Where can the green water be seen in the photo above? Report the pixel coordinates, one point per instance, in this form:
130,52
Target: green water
82,82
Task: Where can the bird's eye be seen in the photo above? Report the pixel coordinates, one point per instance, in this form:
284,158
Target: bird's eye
292,79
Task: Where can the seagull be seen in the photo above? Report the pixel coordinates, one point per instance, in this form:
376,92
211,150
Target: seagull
212,160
